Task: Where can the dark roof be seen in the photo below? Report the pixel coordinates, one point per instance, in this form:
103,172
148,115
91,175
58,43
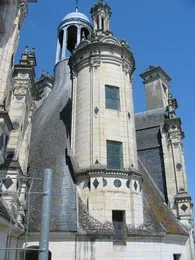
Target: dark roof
149,146
90,225
159,210
48,150
150,118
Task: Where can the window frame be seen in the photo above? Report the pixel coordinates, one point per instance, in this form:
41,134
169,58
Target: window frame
108,98
113,158
116,225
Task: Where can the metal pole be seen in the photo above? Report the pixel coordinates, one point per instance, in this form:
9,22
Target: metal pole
45,215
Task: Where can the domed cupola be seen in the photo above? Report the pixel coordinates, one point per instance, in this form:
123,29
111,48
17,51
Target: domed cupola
74,27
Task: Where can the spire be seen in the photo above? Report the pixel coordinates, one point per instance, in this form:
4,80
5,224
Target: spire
101,14
28,58
77,5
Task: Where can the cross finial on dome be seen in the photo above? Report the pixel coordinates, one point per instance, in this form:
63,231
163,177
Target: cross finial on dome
77,5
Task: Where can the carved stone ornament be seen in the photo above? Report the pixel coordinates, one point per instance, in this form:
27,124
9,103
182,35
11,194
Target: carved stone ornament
175,135
126,68
20,90
95,63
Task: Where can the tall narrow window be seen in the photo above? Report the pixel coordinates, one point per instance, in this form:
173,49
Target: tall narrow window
102,23
114,155
118,220
177,257
98,23
112,97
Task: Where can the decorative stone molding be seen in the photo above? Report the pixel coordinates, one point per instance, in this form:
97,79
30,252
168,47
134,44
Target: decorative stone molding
95,63
103,51
184,205
109,173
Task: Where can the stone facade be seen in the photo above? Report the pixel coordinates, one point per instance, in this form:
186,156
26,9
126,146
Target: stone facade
133,210
15,133
119,181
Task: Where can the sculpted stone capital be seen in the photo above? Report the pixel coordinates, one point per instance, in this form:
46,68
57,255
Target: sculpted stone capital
95,63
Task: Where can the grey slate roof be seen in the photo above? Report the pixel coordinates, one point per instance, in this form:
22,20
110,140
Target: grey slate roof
48,150
148,125
160,212
150,118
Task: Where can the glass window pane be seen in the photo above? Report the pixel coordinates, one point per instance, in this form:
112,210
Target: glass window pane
114,155
112,98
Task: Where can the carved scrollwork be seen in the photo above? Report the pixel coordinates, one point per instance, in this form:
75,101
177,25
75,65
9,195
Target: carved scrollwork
95,63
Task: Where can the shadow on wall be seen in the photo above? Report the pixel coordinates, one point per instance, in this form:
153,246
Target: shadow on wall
66,116
34,255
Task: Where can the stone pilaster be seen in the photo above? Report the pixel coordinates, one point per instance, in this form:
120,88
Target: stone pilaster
182,201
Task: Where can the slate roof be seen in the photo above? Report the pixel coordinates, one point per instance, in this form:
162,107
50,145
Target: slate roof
150,118
89,225
160,211
148,134
48,150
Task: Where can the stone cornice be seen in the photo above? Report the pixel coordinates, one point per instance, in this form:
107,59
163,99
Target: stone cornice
173,121
173,127
93,173
183,197
83,55
24,69
79,20
158,69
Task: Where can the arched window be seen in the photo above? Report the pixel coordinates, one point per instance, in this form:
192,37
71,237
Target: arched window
98,23
84,32
71,38
61,38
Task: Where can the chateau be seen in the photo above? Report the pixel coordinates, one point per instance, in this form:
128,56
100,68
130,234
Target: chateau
119,180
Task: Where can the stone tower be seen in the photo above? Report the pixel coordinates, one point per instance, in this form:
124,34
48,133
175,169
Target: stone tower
102,98
156,82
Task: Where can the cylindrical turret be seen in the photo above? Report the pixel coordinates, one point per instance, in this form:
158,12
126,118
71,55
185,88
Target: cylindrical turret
71,30
103,142
103,114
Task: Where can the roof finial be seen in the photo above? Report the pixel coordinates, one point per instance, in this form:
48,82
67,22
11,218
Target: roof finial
77,5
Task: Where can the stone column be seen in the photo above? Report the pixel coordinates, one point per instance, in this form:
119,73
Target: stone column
64,46
78,35
58,51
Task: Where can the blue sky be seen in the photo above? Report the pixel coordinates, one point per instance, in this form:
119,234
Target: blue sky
159,32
